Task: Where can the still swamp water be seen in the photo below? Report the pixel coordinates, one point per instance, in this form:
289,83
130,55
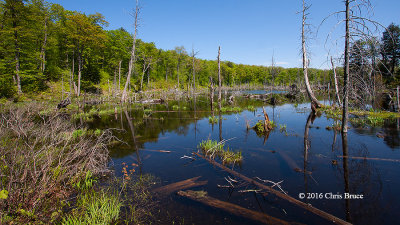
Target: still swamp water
307,160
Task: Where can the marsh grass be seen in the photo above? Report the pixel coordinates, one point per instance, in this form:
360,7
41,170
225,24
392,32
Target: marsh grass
216,149
213,119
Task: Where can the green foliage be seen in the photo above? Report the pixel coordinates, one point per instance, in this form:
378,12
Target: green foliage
95,208
3,194
259,127
214,148
251,108
231,109
213,119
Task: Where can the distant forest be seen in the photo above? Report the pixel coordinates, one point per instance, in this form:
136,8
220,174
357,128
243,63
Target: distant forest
42,43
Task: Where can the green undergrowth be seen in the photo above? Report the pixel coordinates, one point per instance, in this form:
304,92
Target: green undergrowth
361,118
216,149
231,109
93,206
259,127
213,119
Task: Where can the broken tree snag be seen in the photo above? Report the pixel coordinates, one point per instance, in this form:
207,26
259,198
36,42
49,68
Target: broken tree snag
267,122
279,194
185,184
201,196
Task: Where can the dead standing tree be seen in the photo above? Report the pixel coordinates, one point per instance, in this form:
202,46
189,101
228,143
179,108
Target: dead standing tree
147,62
305,29
132,60
193,55
356,26
336,82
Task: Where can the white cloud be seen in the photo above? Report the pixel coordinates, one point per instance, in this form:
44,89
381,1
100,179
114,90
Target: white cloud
282,63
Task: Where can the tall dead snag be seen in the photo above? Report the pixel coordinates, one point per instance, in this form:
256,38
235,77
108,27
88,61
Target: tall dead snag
219,77
336,83
211,93
314,100
194,69
279,194
345,115
201,196
132,60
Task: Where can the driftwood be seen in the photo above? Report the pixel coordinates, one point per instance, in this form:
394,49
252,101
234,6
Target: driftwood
279,194
232,208
174,187
365,158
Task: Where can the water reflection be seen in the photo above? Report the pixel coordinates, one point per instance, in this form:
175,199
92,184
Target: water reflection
180,125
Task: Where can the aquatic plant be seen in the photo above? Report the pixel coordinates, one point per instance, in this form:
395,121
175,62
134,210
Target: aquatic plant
213,119
215,148
282,128
175,107
251,108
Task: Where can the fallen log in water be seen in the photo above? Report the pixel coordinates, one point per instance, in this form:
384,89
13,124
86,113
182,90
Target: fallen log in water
288,198
201,196
174,187
365,158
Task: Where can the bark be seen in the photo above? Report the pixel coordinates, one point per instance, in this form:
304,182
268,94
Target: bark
119,76
232,208
43,50
336,83
79,70
277,193
115,82
194,72
17,50
219,77
177,69
346,71
178,186
132,60
305,60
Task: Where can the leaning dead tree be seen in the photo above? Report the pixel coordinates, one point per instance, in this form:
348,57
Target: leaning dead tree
304,29
132,60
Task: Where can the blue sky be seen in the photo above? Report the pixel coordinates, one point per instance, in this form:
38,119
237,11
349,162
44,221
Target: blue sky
248,31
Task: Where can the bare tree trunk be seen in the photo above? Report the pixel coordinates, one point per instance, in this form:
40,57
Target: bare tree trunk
193,70
115,82
62,86
336,83
219,77
346,71
119,76
43,50
17,78
305,59
79,70
177,70
131,61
